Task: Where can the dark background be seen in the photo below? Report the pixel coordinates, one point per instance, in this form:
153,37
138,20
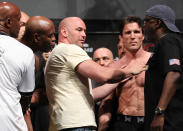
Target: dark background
102,17
104,33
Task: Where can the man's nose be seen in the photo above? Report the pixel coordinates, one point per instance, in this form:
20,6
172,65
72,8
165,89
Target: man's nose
132,35
101,62
83,34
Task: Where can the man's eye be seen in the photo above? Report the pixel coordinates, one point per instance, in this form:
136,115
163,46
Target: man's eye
51,35
136,31
79,29
128,32
96,60
105,58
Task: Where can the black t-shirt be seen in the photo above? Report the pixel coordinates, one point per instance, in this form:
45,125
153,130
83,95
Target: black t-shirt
39,76
167,56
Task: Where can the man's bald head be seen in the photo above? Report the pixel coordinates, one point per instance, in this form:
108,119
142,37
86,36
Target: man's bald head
66,22
72,31
23,20
9,18
8,10
103,56
38,24
40,30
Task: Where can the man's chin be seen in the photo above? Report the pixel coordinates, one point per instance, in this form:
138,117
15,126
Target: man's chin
80,45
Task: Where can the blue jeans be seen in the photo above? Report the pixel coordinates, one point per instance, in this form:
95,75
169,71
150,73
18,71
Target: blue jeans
78,129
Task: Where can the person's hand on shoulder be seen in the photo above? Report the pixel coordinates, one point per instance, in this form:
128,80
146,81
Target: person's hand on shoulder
136,67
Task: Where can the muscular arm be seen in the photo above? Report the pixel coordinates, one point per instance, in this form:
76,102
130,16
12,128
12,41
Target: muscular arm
90,69
102,91
172,77
169,88
25,102
27,118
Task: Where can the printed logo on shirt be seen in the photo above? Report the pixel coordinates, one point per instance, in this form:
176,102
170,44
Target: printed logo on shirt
174,62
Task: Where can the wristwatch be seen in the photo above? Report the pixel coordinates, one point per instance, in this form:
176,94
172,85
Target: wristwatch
158,111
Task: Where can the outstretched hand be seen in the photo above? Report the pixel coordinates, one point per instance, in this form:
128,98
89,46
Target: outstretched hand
136,68
140,68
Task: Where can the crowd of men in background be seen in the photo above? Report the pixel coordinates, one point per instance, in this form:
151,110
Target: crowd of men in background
54,86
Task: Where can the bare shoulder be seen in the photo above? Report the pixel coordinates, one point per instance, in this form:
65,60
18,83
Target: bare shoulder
146,56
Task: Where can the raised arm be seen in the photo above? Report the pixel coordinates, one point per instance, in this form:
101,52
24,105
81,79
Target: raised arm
90,69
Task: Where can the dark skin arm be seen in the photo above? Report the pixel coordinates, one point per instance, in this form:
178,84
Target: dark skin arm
25,102
169,89
27,118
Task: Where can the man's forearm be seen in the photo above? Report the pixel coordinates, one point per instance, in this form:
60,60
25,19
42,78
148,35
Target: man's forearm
25,101
102,91
27,118
169,89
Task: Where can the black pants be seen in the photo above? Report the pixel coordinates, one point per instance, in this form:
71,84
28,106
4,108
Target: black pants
40,118
121,124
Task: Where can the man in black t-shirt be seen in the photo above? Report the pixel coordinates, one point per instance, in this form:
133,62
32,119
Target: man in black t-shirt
163,80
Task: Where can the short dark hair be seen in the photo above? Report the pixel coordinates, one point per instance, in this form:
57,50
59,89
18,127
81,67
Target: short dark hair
130,19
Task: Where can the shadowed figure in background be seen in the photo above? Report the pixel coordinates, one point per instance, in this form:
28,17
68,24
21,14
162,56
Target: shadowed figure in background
39,35
24,18
102,56
120,47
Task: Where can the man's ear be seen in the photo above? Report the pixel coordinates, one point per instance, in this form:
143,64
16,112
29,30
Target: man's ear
36,37
64,31
8,22
120,37
158,24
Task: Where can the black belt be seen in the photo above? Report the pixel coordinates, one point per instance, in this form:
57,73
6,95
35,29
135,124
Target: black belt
130,119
